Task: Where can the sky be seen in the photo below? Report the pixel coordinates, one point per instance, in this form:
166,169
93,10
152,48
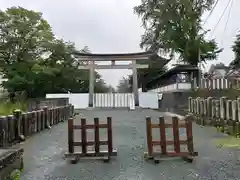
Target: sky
110,26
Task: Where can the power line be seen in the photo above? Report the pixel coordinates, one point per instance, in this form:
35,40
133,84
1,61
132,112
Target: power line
220,18
214,6
228,17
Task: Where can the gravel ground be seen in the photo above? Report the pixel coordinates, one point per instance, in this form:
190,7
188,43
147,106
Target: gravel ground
44,154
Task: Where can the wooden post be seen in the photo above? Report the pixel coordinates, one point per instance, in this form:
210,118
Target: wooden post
149,136
209,110
46,118
176,134
109,129
84,136
188,121
18,119
70,136
163,135
3,131
25,124
96,133
213,109
217,112
190,104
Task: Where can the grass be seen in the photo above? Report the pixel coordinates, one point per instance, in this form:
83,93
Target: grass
7,108
229,142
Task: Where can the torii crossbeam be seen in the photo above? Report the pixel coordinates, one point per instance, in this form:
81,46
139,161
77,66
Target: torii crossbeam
133,57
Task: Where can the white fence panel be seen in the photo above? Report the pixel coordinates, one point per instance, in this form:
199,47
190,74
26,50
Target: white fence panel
78,100
109,100
148,100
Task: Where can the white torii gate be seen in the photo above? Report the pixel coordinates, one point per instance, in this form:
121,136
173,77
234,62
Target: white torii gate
133,57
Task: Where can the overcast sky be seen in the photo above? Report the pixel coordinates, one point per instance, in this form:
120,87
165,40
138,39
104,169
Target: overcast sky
109,26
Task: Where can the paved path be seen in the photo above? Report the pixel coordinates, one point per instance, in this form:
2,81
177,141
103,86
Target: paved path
44,154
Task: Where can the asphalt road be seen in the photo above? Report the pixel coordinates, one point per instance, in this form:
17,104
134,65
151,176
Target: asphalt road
44,154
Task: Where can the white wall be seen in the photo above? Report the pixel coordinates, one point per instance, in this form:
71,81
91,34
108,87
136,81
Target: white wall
80,100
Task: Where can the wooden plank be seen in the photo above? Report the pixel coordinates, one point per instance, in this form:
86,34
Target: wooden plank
91,154
157,143
96,135
181,125
84,136
163,140
172,154
90,143
176,134
90,126
149,136
189,133
110,145
70,135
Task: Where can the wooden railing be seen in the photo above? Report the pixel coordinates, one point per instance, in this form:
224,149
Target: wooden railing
14,128
221,113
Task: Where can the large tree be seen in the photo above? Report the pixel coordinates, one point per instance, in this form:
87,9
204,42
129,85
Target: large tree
174,27
34,61
235,64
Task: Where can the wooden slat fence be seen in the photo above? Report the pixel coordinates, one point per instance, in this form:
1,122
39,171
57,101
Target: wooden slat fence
219,83
85,143
14,128
164,141
221,113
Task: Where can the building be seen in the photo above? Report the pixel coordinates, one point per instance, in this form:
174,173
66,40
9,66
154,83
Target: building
221,71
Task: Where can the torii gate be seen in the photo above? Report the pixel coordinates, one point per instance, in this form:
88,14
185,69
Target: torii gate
133,57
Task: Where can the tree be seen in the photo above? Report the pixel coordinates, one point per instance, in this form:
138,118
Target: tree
235,64
175,27
124,86
34,61
23,39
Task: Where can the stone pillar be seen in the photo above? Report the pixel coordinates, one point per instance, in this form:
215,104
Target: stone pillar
135,83
91,83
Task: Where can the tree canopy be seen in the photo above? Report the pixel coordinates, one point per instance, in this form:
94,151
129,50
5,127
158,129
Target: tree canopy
175,27
34,61
235,64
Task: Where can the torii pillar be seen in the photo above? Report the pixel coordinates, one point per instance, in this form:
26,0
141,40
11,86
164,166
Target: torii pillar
135,83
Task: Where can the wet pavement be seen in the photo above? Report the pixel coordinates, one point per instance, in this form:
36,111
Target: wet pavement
44,154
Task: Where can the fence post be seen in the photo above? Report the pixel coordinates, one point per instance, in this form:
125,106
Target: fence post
96,134
217,113
176,134
25,124
109,129
70,136
163,135
188,121
209,110
189,104
234,117
3,131
213,109
18,117
46,118
238,116
149,136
